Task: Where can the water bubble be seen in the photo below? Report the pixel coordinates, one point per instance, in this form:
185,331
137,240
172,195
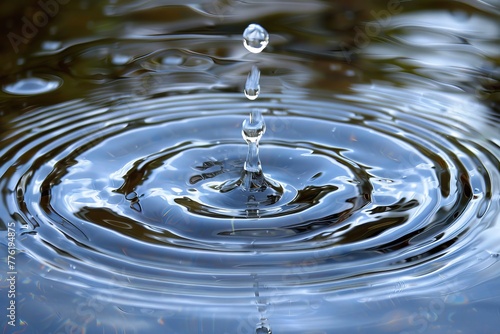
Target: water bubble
32,86
255,38
252,86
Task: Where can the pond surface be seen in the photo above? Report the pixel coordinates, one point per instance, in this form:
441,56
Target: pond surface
120,121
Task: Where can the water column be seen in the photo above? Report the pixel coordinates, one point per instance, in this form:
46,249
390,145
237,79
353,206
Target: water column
263,190
252,130
259,189
255,39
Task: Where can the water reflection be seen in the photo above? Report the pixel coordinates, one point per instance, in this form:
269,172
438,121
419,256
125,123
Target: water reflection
32,86
388,138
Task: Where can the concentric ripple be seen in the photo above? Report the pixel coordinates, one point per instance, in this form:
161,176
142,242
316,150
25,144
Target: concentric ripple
121,128
132,189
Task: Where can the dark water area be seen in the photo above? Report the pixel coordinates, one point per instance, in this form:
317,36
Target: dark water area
121,121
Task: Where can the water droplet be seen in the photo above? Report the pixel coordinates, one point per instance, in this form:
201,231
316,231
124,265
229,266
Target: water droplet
252,86
32,86
255,38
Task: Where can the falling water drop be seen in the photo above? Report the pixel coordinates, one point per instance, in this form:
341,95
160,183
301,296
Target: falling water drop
252,86
255,38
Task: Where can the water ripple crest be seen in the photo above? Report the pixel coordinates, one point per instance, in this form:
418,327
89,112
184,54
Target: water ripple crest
131,189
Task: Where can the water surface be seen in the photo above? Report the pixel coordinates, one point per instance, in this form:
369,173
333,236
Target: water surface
120,119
